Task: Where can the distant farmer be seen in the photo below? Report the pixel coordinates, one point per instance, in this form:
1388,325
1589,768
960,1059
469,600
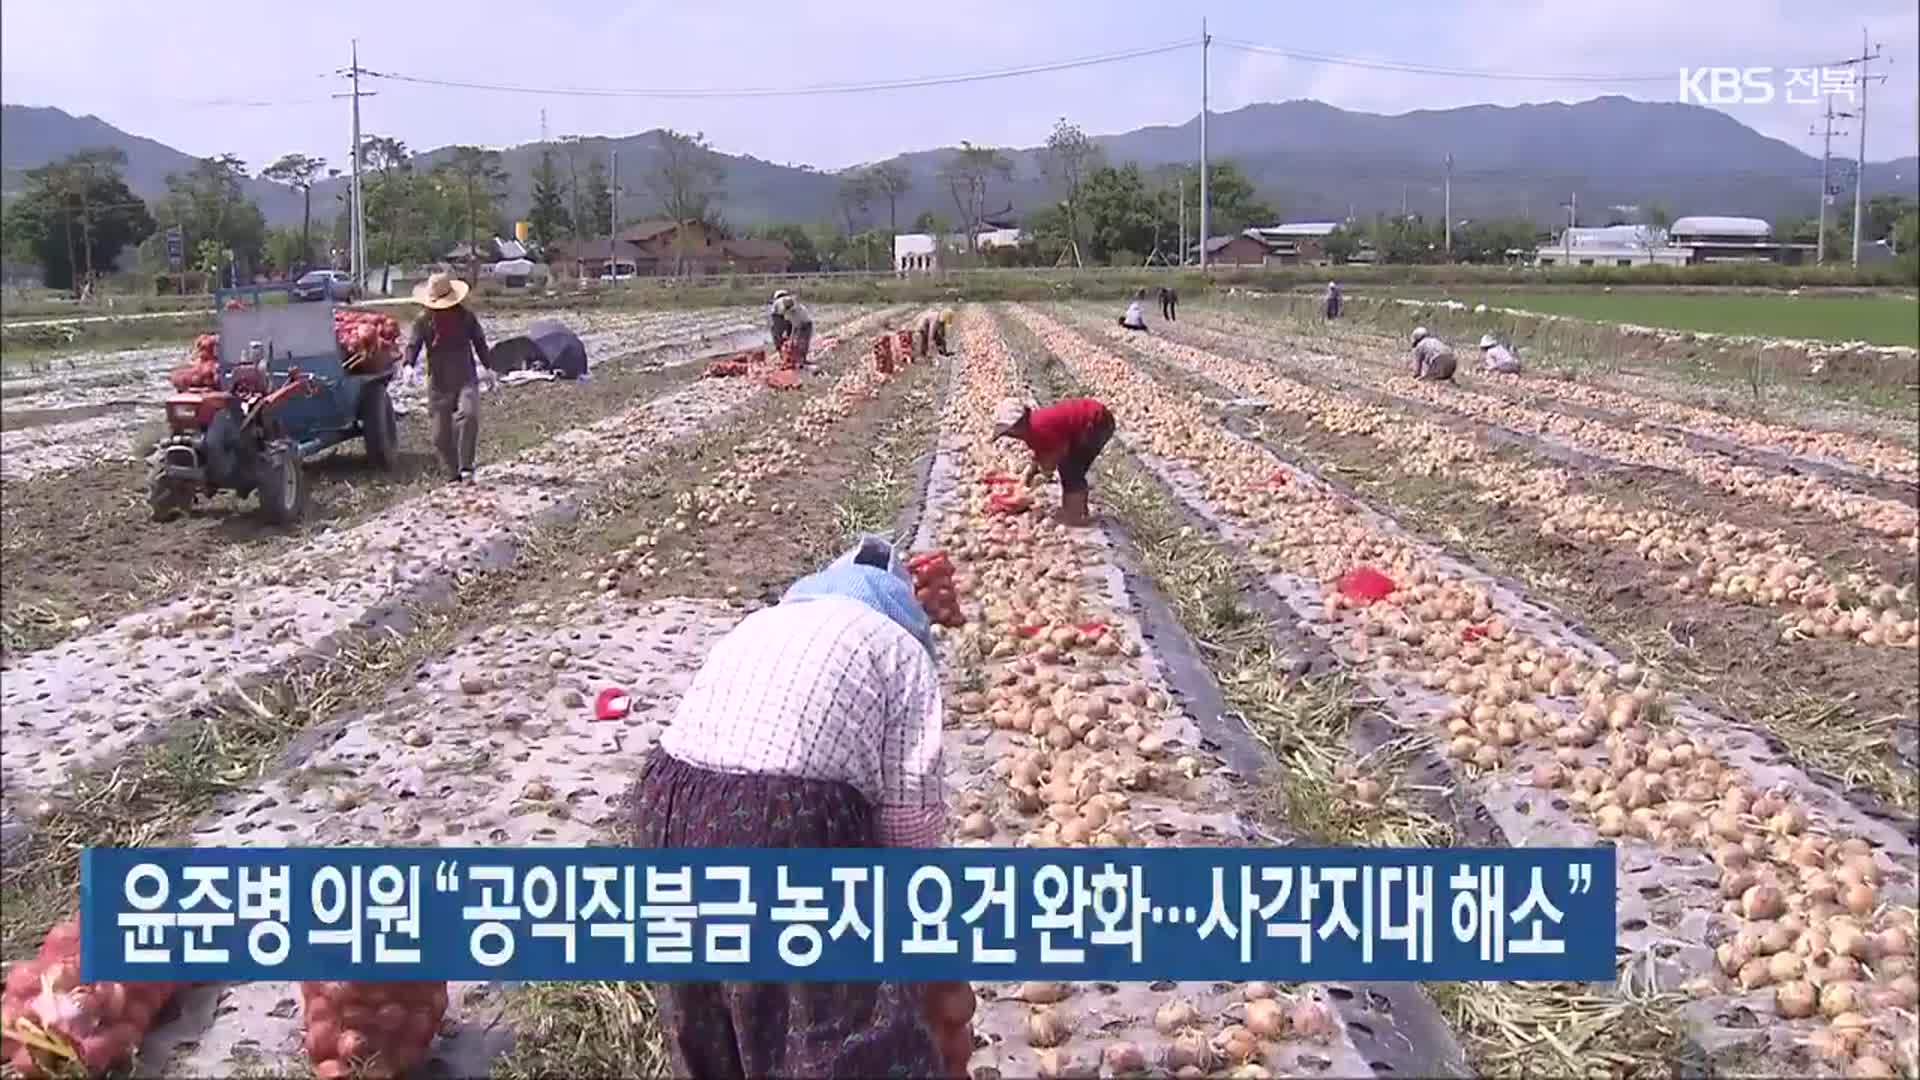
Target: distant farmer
1135,319
1333,299
1498,357
930,333
456,349
1432,358
815,723
777,324
1067,436
1168,301
798,337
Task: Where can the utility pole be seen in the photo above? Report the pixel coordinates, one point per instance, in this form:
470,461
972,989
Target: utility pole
613,203
1206,214
1860,164
1573,219
1447,205
1403,202
1183,220
1826,175
356,216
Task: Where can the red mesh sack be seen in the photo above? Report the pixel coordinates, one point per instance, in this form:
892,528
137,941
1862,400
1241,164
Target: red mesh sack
934,588
1366,583
52,1023
883,356
370,1029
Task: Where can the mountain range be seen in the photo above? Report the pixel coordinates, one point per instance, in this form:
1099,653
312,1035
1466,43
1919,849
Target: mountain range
1310,161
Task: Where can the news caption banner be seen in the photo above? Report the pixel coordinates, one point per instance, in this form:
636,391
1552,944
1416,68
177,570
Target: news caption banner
847,915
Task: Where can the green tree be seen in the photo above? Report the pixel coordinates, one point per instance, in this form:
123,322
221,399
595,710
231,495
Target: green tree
298,171
1233,203
932,224
970,174
547,217
1340,245
854,196
285,251
208,203
1489,241
76,216
806,259
1405,239
1882,213
476,177
891,180
1657,215
1068,158
687,179
599,200
394,222
1123,218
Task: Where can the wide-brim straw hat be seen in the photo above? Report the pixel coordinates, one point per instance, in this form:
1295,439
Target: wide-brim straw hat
440,292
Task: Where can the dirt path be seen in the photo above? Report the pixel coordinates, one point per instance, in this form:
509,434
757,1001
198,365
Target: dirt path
1507,703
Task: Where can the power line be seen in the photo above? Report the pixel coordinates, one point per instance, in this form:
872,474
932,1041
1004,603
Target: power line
794,91
1411,68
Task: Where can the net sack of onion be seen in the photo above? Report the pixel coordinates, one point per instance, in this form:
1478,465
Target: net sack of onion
202,369
370,1029
934,588
51,1023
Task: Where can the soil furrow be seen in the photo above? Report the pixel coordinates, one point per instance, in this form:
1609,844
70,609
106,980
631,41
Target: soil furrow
1463,655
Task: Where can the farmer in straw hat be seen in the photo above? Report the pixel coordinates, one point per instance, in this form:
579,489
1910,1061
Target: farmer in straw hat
1067,436
456,355
815,723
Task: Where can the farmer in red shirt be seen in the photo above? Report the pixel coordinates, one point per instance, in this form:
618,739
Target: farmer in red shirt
1066,435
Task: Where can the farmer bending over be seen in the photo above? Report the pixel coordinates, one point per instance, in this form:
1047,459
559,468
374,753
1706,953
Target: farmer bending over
1067,436
1169,301
1432,358
456,355
814,723
1499,357
930,332
798,322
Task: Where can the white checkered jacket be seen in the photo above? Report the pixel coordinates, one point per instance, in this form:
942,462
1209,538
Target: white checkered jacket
824,689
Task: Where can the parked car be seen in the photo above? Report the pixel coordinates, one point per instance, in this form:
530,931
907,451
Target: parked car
325,284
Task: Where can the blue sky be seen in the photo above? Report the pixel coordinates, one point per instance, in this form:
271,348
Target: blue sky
170,62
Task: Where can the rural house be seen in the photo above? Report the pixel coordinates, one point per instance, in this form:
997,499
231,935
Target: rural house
1708,239
1614,245
1245,249
1296,243
662,247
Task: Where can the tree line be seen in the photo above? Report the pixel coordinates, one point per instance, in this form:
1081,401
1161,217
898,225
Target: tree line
77,216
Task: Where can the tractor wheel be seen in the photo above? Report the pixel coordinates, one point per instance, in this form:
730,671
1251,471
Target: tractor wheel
379,427
283,486
165,498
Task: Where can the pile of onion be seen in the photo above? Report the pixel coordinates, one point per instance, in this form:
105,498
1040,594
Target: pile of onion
376,1030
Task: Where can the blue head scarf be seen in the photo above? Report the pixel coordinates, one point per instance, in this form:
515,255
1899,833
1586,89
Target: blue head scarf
872,574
